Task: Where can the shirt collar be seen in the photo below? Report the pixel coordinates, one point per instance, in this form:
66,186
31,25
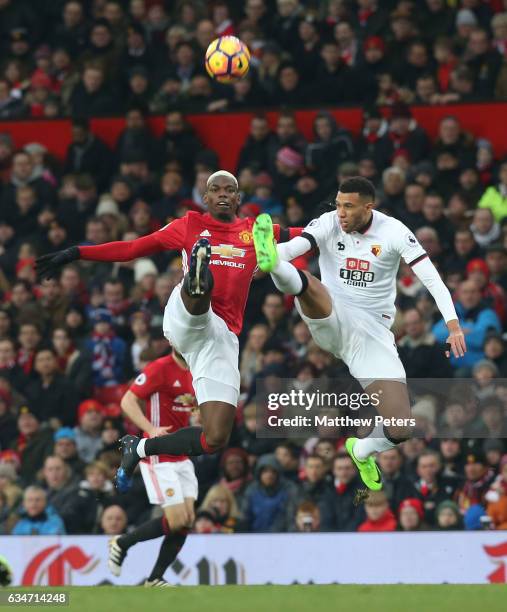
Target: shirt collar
366,226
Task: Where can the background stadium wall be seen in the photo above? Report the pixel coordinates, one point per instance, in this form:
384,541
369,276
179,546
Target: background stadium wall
374,558
226,132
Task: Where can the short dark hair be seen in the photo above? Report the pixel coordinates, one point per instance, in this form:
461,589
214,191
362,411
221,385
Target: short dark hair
292,448
360,185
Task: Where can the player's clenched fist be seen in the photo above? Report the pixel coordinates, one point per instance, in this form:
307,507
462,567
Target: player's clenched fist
47,266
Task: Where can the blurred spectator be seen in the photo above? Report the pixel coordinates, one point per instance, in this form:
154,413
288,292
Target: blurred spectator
52,398
419,352
307,517
269,501
33,444
496,497
87,154
378,515
65,448
91,96
235,472
107,350
432,486
347,483
448,516
397,487
88,432
411,515
84,503
478,479
220,502
113,520
37,517
317,489
477,320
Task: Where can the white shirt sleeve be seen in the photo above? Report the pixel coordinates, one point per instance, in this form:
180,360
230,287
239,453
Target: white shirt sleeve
407,244
429,276
293,248
318,229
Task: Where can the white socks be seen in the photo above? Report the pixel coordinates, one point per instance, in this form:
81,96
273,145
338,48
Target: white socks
140,448
376,442
286,278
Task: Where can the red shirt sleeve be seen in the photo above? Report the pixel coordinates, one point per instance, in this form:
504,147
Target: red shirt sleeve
170,237
286,234
147,383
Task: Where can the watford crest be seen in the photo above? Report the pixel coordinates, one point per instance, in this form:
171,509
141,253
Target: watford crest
376,249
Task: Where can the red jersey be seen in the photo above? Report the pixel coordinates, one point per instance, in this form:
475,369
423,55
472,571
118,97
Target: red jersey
233,261
169,394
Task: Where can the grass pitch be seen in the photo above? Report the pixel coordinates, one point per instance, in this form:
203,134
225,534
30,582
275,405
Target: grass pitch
293,598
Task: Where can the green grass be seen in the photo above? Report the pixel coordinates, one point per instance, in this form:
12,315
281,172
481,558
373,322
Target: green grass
294,598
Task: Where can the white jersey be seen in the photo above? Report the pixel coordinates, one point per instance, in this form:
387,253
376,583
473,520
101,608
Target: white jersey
360,268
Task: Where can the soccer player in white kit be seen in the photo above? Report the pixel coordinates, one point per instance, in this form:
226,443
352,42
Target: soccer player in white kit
350,311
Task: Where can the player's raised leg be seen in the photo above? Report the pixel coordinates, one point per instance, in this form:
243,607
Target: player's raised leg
206,343
312,296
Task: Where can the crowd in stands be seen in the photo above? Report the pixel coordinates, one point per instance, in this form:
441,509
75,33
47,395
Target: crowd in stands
70,346
99,57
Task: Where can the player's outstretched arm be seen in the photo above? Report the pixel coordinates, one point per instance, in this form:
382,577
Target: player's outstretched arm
131,406
169,237
429,276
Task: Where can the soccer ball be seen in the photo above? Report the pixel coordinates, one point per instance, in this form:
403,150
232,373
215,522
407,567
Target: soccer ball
227,59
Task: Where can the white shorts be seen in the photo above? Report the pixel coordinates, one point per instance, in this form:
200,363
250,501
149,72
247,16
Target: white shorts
169,482
360,339
208,346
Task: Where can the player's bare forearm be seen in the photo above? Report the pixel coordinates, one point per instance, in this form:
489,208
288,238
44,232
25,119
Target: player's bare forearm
131,406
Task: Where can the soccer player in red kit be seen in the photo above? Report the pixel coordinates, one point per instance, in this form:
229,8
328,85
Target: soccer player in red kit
165,386
203,315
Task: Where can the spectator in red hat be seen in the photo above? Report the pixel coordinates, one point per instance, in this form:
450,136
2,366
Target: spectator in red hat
411,515
249,209
289,165
40,90
379,516
90,415
492,294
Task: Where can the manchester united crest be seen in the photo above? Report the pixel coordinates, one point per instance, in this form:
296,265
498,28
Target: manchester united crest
169,492
246,237
376,249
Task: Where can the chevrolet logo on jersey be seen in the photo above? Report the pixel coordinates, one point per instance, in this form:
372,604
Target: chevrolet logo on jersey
228,251
376,249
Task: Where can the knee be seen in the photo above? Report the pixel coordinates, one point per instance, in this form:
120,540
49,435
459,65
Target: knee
178,521
217,438
398,433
